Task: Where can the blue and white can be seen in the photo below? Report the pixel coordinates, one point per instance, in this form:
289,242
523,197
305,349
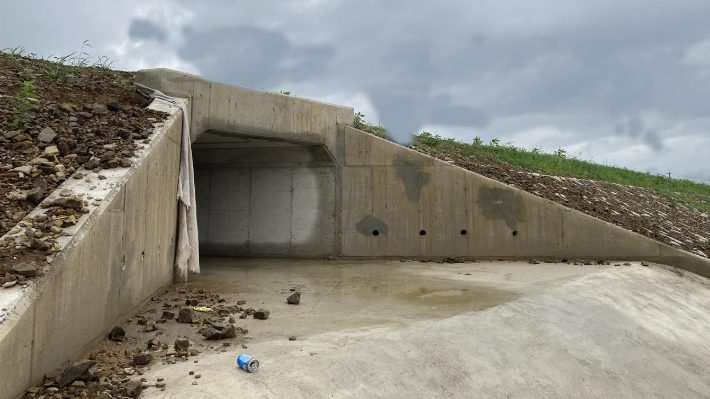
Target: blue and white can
248,363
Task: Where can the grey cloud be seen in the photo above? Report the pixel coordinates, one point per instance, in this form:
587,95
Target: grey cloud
404,113
143,29
634,127
653,140
607,63
252,56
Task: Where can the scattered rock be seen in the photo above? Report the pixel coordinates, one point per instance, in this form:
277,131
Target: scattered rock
241,302
71,203
150,326
294,299
99,109
182,344
645,264
142,359
292,338
26,169
167,315
134,388
114,106
229,331
47,135
117,334
9,284
35,195
211,333
75,372
185,315
25,269
261,314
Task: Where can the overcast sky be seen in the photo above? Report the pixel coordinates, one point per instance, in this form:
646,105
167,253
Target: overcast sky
622,82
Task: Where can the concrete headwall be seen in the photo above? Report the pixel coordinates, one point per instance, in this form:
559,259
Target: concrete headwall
121,253
233,109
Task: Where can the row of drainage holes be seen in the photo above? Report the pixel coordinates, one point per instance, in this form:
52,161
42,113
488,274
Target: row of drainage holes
423,232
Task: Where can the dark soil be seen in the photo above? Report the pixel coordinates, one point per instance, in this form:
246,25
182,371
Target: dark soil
638,209
96,120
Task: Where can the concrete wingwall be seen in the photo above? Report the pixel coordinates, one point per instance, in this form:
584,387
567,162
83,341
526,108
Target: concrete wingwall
424,207
121,255
388,200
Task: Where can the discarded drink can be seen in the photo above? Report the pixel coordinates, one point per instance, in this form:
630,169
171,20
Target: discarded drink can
248,363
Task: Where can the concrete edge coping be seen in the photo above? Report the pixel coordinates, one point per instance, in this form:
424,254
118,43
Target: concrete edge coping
18,298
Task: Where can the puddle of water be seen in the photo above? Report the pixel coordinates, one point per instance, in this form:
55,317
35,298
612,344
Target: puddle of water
457,300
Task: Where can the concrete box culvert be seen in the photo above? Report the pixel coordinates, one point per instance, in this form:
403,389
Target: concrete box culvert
265,189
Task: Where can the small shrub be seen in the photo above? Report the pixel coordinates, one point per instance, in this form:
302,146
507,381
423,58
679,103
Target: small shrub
359,122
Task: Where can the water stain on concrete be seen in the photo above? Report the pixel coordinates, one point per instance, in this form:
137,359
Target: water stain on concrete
412,177
502,203
369,224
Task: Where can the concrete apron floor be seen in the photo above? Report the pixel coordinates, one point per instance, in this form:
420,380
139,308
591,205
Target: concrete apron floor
488,329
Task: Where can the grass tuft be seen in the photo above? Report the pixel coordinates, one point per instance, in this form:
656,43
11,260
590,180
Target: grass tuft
378,130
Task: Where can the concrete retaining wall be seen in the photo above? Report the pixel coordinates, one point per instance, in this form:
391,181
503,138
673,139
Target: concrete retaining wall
120,254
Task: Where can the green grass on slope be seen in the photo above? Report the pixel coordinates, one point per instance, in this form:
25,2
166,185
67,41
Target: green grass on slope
378,130
560,164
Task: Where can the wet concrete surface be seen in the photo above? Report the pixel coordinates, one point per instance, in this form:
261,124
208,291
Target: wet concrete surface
487,329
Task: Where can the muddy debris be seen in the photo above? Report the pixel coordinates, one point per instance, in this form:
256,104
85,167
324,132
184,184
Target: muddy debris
294,299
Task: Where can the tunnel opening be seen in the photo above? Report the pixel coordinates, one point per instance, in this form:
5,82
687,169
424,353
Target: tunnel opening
261,196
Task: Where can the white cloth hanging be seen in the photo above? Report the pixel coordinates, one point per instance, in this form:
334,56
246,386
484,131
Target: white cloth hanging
187,250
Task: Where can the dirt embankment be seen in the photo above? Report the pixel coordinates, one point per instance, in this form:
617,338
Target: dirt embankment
54,119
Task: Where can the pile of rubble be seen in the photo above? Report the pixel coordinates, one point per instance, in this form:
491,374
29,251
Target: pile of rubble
176,326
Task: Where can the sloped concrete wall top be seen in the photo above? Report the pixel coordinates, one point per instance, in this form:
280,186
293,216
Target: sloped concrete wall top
232,109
